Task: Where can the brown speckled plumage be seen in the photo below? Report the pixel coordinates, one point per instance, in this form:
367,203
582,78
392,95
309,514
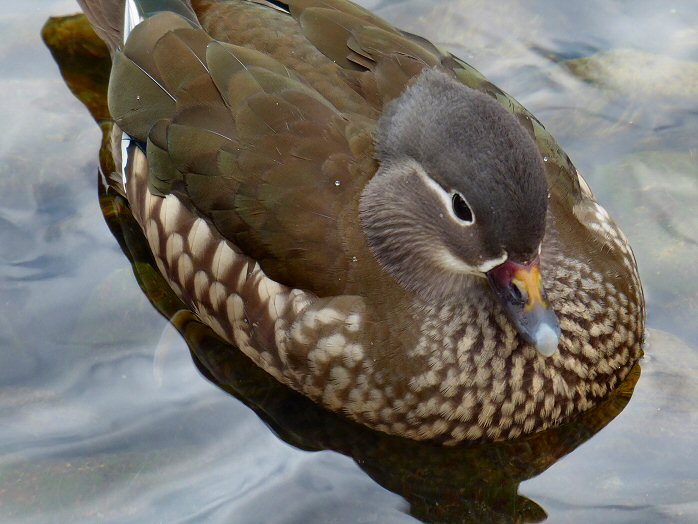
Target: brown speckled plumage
259,233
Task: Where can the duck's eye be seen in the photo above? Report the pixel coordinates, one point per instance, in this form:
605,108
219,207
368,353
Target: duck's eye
461,208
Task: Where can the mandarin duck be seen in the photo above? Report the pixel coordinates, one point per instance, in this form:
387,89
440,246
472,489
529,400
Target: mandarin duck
367,218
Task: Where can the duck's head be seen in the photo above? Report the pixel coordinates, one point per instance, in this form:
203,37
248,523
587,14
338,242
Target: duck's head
460,193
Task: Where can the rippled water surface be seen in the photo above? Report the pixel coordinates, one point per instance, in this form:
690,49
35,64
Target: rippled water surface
104,417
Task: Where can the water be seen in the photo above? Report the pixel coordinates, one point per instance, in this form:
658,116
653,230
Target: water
104,416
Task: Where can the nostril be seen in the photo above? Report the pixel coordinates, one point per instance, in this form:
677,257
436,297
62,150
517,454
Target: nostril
516,293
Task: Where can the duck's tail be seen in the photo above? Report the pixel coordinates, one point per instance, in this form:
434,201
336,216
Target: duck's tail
113,20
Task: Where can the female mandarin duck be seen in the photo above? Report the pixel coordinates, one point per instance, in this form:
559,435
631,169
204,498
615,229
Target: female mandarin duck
357,212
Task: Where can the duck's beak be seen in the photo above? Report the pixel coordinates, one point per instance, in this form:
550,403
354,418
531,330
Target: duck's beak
519,288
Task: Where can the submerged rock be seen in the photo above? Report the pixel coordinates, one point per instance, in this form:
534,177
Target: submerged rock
635,73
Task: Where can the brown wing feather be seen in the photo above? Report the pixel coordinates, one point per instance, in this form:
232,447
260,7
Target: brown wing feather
248,143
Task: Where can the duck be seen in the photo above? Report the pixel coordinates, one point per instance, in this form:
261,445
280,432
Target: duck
367,218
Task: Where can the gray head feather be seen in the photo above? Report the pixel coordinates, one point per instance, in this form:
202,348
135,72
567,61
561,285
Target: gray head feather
441,131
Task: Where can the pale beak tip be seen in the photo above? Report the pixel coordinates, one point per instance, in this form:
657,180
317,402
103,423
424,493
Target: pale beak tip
546,340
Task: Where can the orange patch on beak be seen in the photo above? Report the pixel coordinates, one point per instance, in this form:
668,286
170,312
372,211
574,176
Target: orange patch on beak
519,288
528,280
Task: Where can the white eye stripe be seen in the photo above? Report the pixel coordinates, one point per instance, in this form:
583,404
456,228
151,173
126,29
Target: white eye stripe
446,197
491,264
449,261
